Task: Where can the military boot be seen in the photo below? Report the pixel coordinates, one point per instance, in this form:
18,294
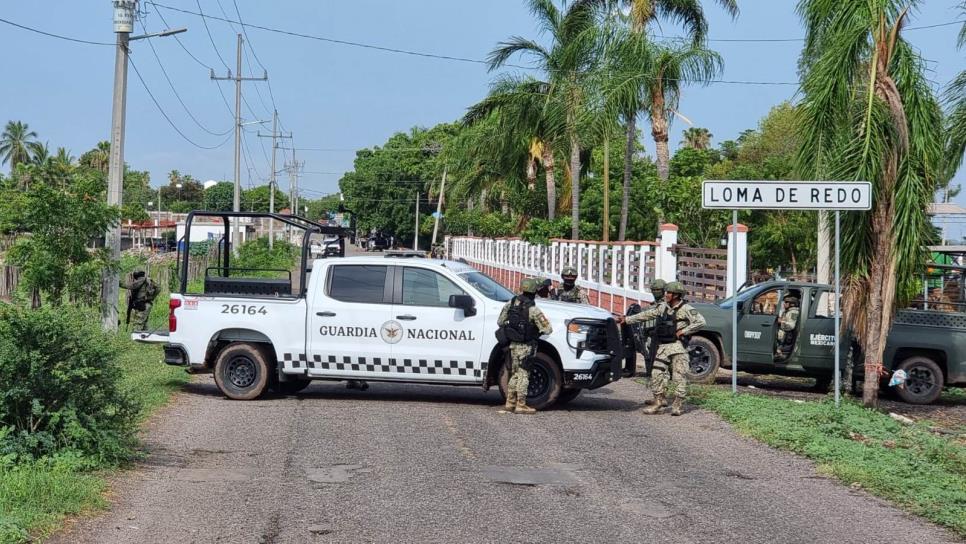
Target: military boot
677,407
522,407
657,407
511,402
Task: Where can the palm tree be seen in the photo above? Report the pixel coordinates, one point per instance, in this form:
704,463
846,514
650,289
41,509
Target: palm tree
566,64
868,114
63,157
687,12
955,99
673,66
40,153
696,138
524,112
98,158
17,143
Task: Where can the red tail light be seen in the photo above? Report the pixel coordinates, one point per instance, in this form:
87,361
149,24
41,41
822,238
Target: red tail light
173,305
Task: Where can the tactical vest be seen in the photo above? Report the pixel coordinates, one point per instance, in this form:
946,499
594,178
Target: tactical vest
569,295
667,326
519,327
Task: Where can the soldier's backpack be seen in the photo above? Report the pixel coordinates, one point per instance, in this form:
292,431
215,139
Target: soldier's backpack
518,327
151,290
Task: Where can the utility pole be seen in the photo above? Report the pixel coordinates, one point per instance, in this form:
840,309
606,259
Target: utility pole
271,183
124,12
237,78
439,207
293,188
416,234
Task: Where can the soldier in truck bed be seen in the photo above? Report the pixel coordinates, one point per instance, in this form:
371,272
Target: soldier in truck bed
675,320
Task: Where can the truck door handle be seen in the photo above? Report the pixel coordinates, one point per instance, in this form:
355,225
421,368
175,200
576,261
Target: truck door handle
766,324
325,314
406,317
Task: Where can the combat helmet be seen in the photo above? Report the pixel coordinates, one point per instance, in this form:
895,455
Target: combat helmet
529,286
675,287
568,272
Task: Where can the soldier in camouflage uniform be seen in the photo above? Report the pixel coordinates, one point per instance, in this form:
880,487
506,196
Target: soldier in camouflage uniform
657,291
140,298
675,320
535,324
787,324
570,291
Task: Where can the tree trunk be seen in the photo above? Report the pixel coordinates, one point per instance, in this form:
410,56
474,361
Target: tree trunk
628,169
659,132
548,166
606,221
531,173
574,187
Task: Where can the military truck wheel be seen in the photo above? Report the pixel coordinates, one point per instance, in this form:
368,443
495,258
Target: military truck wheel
291,387
546,381
567,395
242,372
823,384
924,380
705,360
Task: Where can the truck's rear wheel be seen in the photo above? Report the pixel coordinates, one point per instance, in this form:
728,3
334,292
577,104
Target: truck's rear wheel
242,372
546,381
705,360
924,380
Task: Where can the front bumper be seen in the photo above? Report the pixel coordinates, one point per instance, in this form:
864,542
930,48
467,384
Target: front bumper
603,338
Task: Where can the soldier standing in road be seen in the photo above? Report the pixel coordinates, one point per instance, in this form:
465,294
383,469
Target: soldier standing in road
523,324
141,294
657,291
788,322
675,320
570,291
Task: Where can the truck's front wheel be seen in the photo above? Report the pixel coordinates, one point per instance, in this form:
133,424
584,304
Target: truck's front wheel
546,381
242,372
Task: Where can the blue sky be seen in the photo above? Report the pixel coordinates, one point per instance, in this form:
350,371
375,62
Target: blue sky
341,97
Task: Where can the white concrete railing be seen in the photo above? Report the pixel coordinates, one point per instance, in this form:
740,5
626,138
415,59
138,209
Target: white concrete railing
614,274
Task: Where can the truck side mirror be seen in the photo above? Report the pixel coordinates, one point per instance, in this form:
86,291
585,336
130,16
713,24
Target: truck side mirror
463,302
741,306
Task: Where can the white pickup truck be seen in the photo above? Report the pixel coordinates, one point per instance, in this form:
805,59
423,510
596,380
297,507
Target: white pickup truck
378,319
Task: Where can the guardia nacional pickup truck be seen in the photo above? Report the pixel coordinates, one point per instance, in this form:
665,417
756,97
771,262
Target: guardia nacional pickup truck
388,319
929,345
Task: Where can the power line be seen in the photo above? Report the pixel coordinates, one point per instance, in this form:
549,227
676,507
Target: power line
197,60
204,19
165,115
175,90
248,41
52,35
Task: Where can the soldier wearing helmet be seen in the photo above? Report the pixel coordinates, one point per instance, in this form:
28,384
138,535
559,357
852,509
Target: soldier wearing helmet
787,324
522,324
657,290
545,288
569,290
676,320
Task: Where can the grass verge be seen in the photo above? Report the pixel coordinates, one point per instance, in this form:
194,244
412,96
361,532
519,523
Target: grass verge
35,497
906,464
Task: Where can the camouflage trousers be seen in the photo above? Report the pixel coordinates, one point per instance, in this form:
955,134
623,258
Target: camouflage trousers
139,318
519,376
663,381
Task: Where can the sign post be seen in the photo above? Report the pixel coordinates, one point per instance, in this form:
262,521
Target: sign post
786,195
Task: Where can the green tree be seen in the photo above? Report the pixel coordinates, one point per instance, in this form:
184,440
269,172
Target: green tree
689,13
566,64
17,144
54,257
97,158
868,114
258,199
955,100
220,197
696,138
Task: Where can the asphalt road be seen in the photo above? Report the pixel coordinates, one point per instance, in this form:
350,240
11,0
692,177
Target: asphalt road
440,464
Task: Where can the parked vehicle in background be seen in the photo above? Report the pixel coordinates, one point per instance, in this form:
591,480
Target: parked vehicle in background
927,341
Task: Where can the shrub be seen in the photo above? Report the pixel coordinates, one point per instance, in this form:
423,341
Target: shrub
59,387
256,254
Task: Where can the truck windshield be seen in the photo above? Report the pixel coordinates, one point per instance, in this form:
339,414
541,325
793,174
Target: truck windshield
487,286
743,296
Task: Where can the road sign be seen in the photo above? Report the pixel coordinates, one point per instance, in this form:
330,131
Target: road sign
787,195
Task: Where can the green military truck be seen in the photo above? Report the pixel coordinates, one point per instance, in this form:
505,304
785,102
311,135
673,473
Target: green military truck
929,343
